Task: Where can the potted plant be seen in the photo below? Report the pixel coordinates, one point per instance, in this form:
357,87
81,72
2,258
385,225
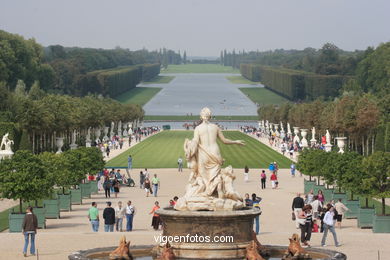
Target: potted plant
25,178
309,164
377,166
350,164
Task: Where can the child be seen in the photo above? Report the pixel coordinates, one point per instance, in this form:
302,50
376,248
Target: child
315,226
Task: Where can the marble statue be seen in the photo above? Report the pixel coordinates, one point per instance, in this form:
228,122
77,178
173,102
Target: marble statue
167,253
112,129
313,134
88,137
120,129
210,186
327,136
252,252
289,133
6,142
281,126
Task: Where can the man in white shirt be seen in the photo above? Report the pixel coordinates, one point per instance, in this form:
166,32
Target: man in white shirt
120,212
180,164
329,225
130,212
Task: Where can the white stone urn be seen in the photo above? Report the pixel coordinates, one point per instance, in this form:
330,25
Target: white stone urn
341,143
59,144
304,140
296,132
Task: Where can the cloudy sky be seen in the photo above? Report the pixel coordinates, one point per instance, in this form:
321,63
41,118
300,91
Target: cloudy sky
201,27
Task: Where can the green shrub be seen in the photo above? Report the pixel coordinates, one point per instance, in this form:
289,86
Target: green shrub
150,71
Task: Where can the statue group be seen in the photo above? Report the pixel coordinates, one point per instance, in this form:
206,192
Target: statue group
210,186
6,143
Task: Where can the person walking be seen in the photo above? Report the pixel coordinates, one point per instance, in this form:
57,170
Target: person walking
147,187
93,216
248,201
263,178
120,212
156,184
310,197
156,218
274,181
108,151
340,209
329,225
256,204
246,173
107,186
141,179
292,169
109,218
321,196
130,212
297,206
116,184
305,220
317,207
129,162
29,230
180,164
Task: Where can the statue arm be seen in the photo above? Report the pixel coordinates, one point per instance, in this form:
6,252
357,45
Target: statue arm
228,141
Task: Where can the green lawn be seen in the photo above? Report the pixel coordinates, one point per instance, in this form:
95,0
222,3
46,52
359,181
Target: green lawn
240,80
159,80
195,118
200,68
138,96
163,149
263,96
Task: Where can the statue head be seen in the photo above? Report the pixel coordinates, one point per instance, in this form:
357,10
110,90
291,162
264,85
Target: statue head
205,114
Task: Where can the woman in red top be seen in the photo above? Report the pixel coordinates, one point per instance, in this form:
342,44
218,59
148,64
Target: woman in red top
274,181
156,217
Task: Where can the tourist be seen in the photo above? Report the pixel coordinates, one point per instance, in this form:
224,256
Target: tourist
175,199
93,216
120,212
310,197
116,185
107,186
246,173
297,206
180,164
274,181
129,162
156,218
304,219
316,206
340,209
29,229
171,204
141,179
146,173
156,185
118,175
292,169
283,148
263,178
256,204
291,151
321,196
130,212
271,168
147,187
315,226
108,151
248,201
109,218
329,225
276,168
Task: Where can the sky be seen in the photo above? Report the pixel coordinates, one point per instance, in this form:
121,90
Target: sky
200,27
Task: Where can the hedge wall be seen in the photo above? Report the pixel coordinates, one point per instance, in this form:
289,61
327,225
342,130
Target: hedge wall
293,84
150,71
111,82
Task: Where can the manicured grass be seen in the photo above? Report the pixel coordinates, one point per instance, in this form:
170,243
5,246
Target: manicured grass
159,80
163,149
200,68
263,96
196,118
139,95
240,80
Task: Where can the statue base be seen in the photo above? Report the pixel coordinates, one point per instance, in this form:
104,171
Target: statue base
73,146
328,147
196,233
88,144
6,154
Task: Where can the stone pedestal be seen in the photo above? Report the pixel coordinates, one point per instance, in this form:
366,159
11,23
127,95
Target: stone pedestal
192,225
328,147
88,144
296,137
59,144
73,146
341,143
6,154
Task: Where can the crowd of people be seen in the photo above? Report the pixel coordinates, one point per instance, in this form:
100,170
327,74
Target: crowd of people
314,213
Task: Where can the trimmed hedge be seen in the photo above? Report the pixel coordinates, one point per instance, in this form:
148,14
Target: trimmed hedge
111,82
150,71
294,84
